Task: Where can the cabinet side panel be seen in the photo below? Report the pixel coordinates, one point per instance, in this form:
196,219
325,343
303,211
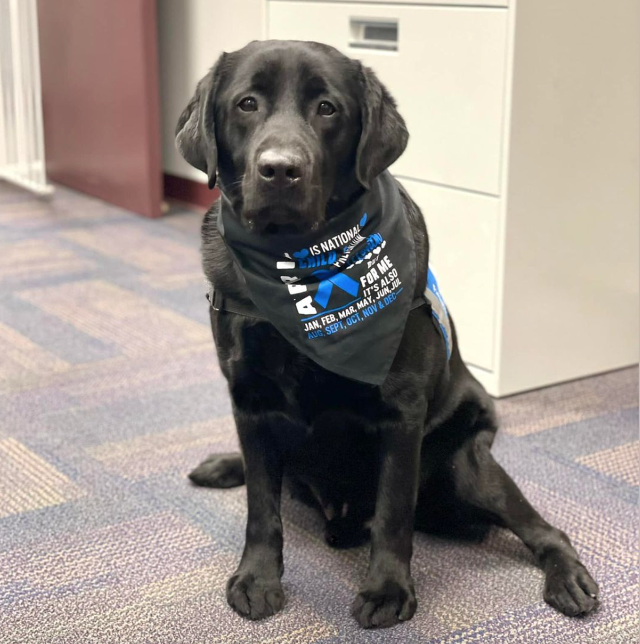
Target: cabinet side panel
571,246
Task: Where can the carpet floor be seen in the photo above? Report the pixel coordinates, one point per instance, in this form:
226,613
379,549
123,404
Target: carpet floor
110,394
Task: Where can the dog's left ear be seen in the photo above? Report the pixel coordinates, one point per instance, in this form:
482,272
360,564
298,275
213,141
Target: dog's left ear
384,133
195,131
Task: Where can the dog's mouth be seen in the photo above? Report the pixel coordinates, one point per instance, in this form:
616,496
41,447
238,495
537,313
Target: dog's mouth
281,229
280,219
280,208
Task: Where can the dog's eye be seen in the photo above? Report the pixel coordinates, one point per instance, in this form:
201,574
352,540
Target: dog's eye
326,109
248,104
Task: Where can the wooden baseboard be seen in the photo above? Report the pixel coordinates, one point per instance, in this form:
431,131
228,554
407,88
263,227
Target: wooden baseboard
189,191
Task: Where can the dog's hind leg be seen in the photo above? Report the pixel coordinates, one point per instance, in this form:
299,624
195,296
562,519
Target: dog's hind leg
482,483
220,471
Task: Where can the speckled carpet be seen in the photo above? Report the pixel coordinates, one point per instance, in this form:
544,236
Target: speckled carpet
110,394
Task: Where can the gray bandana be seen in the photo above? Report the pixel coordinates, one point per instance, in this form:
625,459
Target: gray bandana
340,295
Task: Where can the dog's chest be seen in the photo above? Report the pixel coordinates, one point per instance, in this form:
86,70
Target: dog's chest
267,374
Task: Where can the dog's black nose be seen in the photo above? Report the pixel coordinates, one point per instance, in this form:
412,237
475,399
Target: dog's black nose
281,169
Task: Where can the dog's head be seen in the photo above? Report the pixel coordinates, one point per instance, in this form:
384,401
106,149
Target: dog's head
293,130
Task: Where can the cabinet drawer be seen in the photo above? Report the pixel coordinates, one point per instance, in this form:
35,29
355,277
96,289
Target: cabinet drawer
447,73
463,238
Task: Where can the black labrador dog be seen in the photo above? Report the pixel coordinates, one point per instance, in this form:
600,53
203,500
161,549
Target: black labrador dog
293,132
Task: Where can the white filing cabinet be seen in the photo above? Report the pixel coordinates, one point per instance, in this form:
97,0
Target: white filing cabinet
523,156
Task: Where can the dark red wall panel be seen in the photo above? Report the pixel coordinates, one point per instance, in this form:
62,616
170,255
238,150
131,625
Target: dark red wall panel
100,98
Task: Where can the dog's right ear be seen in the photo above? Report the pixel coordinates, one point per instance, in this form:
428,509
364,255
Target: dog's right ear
195,131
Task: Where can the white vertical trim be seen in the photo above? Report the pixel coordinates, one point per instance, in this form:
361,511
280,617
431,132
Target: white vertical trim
21,127
37,93
4,155
495,387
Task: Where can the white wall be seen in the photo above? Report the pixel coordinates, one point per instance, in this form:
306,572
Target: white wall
192,34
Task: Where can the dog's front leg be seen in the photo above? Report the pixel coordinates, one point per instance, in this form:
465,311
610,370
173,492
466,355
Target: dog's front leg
254,590
387,595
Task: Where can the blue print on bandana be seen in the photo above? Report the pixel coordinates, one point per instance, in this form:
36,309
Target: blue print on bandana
439,309
374,285
328,280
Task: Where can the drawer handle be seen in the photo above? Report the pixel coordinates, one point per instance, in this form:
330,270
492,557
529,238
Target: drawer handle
371,33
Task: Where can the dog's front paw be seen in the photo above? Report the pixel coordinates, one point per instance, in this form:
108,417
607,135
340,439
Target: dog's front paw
570,588
254,596
384,603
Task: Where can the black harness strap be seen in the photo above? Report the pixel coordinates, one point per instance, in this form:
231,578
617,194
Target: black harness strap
218,302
